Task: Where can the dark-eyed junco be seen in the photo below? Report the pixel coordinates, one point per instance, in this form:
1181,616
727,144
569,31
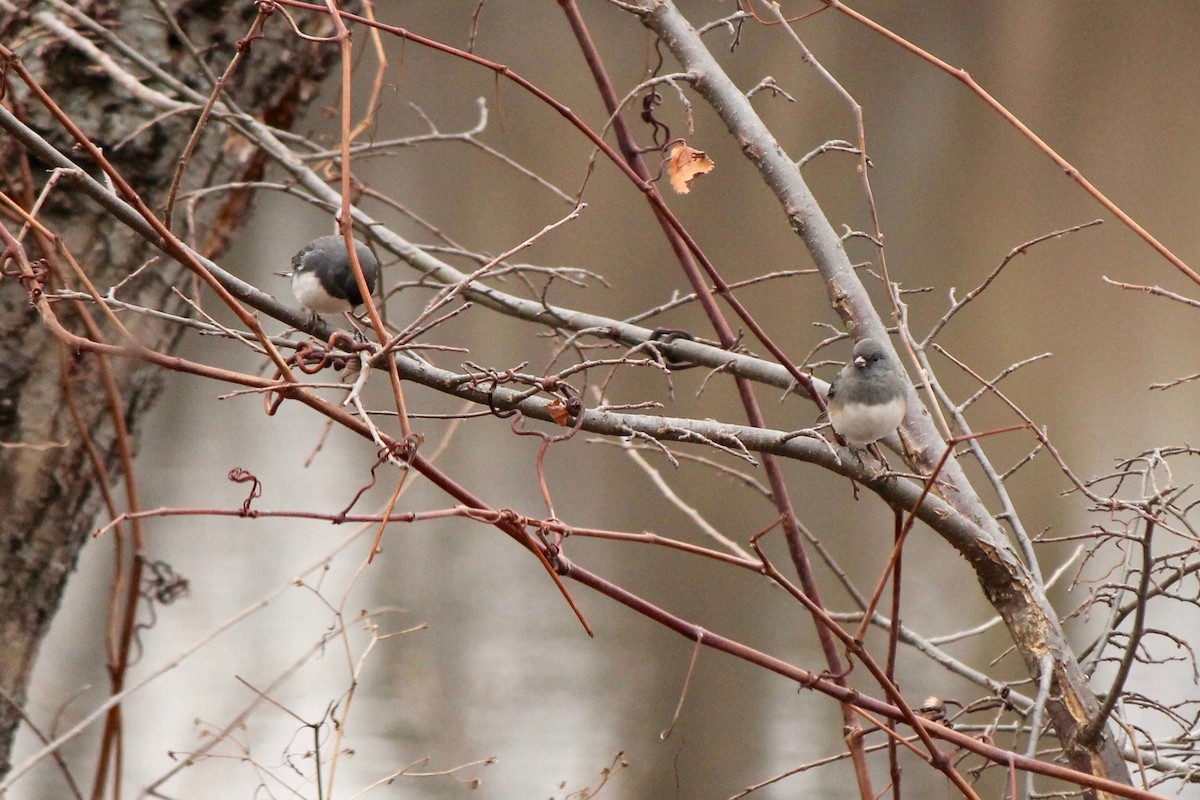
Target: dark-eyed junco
866,399
322,278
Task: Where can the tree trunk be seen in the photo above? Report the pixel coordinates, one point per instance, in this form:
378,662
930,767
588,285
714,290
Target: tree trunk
64,416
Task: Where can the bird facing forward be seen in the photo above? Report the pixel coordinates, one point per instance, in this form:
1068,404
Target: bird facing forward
866,399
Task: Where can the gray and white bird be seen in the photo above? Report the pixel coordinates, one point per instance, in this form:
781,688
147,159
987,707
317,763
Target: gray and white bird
322,278
866,399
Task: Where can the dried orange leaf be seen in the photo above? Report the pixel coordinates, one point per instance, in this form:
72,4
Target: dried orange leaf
685,164
558,412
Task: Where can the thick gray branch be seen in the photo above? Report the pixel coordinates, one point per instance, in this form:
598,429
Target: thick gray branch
1031,620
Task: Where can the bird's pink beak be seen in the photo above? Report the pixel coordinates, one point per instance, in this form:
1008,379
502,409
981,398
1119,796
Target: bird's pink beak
860,362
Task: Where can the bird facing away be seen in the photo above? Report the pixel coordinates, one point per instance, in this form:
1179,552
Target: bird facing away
866,399
322,278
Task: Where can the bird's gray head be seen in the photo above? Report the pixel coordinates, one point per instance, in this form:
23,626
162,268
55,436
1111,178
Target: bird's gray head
868,353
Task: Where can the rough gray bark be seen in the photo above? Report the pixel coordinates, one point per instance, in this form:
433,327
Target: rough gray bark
56,419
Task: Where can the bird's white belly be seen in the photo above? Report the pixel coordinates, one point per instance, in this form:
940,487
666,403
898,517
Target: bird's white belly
307,288
862,424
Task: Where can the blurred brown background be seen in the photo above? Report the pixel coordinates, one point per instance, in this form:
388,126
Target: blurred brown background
503,668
